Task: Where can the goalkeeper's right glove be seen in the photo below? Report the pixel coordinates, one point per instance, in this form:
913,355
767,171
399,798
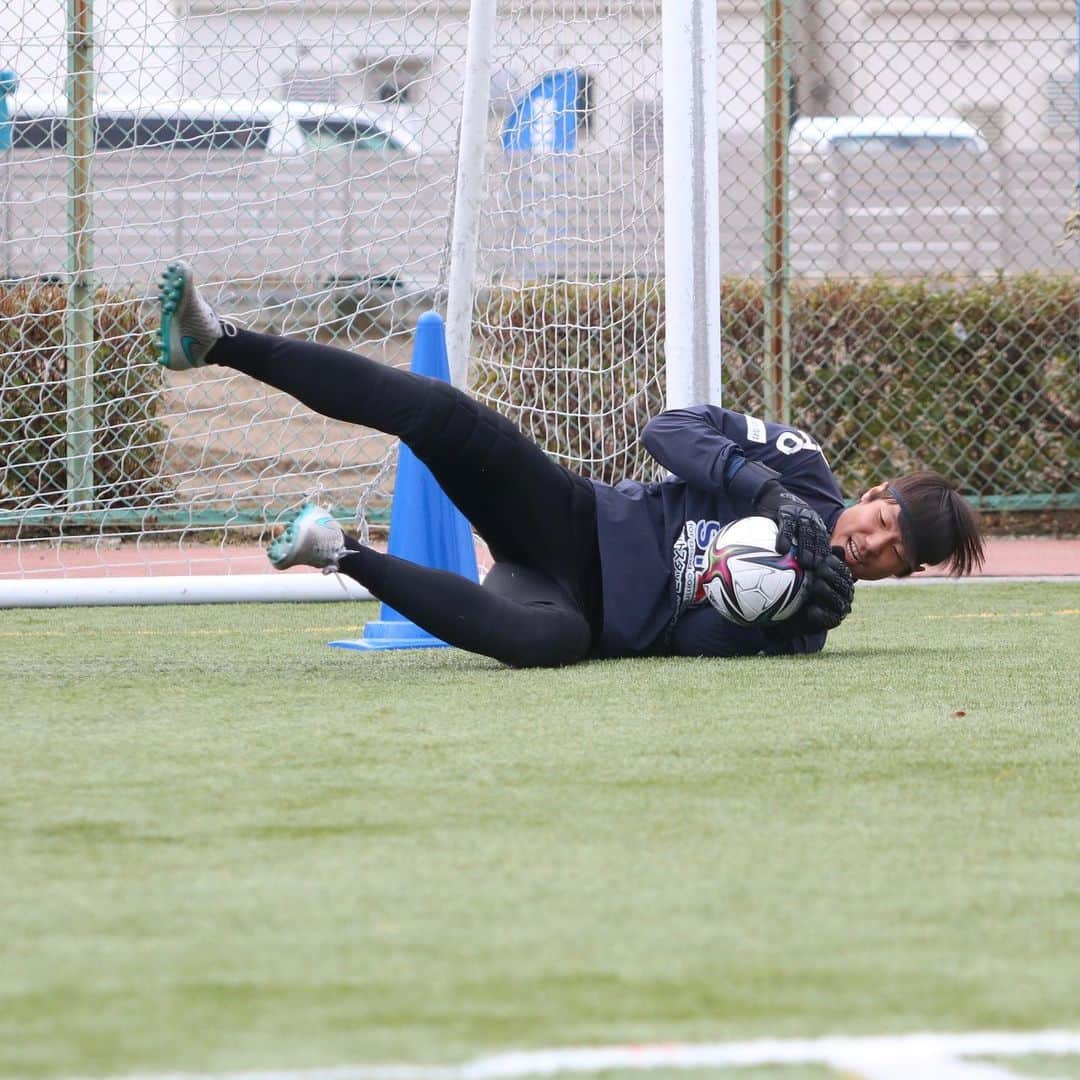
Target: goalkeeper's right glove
753,484
830,590
798,525
801,528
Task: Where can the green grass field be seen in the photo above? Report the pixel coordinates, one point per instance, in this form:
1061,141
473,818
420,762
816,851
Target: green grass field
227,846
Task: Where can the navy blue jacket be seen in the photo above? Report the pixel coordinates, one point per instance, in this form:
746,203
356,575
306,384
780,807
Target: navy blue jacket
653,537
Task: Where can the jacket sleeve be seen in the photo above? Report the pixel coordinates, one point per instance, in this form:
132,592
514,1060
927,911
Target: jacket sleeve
704,446
703,631
714,449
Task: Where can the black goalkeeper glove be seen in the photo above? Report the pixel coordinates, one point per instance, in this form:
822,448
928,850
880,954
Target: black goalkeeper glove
797,525
830,586
829,592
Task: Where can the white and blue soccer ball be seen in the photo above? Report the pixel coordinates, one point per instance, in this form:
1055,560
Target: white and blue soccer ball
747,580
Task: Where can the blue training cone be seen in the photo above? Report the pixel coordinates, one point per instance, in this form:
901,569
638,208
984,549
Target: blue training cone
425,526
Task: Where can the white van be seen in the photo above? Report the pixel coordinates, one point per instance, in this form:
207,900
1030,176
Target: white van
225,124
822,134
292,192
897,195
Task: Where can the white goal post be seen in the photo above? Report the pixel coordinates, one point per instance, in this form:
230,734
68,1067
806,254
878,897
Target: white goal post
545,174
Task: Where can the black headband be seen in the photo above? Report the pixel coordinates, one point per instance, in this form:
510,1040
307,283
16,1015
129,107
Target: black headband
907,526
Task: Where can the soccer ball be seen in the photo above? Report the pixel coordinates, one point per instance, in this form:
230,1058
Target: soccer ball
746,580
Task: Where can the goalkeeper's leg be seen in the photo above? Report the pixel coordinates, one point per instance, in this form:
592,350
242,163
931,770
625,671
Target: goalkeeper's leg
531,511
518,615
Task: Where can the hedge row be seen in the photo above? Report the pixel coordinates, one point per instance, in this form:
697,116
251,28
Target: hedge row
978,380
129,439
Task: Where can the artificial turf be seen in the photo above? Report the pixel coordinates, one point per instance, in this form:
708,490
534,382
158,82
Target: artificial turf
227,846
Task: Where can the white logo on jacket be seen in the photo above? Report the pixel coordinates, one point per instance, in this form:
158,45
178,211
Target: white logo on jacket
690,559
791,442
788,442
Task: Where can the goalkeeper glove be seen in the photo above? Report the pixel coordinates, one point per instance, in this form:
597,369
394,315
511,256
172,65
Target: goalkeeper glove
798,525
757,485
831,587
829,591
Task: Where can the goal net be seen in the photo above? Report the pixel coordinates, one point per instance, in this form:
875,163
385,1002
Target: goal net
302,155
302,158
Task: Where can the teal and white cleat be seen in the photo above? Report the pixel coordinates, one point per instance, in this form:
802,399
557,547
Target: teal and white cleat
311,538
189,325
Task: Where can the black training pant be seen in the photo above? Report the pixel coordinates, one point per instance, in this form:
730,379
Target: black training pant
540,604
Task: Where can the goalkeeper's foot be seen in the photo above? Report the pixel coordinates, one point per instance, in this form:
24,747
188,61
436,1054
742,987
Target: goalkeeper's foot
189,325
311,538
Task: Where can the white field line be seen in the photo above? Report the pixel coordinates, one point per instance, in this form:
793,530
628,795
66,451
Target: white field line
891,1057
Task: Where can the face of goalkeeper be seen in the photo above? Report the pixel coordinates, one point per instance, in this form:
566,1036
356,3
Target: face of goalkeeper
902,526
870,535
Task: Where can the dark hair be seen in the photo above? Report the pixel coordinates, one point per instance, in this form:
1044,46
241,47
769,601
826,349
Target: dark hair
938,524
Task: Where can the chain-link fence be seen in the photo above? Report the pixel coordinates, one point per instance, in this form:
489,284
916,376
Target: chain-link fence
955,186
302,156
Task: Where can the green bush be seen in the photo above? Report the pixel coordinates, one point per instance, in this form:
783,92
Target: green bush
978,380
128,439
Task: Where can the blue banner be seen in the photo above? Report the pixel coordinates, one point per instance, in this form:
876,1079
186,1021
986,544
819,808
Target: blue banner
545,120
8,85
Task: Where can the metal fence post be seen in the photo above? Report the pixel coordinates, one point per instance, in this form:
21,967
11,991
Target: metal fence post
1076,29
776,369
79,321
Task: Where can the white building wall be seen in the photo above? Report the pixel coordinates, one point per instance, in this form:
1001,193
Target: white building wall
255,54
938,58
136,45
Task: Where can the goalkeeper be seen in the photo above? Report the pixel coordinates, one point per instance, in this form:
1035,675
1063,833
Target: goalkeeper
584,569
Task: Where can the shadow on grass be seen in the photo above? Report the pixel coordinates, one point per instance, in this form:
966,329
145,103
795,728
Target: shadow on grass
869,652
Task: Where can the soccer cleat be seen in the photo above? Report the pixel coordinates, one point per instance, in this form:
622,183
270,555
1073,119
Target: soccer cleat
189,325
311,538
